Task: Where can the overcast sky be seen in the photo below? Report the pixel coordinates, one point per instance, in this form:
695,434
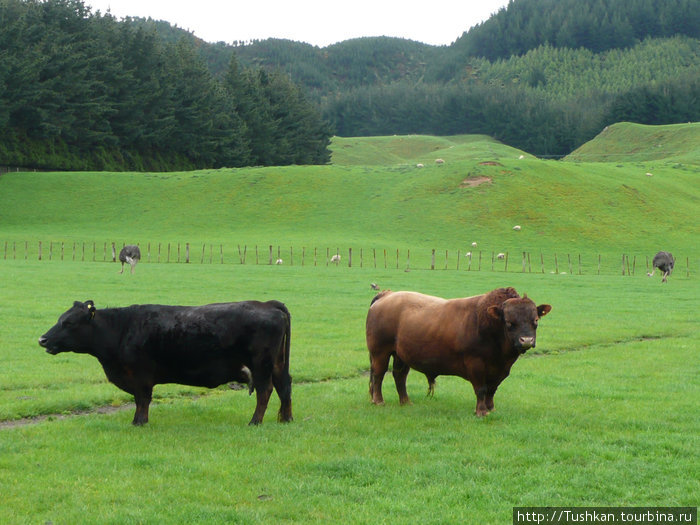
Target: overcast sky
318,22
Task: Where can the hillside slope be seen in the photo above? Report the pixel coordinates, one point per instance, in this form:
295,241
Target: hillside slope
380,201
630,142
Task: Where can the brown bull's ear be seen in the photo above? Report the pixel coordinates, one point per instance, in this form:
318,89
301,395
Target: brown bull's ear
543,309
495,311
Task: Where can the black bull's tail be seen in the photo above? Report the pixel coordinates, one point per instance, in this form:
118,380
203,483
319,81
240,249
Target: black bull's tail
283,380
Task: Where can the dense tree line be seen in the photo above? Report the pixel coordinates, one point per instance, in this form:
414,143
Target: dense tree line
84,91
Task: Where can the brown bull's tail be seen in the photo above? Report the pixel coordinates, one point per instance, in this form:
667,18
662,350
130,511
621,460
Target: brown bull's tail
379,296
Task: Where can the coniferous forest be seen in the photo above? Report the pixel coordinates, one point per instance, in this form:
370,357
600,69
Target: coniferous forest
83,90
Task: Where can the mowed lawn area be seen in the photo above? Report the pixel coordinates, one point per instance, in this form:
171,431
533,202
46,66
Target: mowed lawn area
603,412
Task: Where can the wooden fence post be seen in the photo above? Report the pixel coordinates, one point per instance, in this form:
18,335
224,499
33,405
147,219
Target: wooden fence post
432,260
39,250
349,257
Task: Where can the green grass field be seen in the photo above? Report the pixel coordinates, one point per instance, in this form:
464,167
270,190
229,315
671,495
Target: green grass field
603,412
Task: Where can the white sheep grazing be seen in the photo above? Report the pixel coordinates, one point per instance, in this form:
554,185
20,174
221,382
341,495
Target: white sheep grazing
501,256
439,161
335,259
279,261
419,165
473,245
516,227
521,157
468,254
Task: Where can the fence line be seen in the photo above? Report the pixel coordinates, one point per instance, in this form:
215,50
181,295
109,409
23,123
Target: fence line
187,253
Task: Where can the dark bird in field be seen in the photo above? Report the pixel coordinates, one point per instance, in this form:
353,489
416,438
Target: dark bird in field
665,262
374,286
129,254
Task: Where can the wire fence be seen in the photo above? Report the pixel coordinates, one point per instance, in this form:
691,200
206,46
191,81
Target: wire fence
400,259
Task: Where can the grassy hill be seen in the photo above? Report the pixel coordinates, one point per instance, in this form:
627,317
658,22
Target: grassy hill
414,149
628,142
375,196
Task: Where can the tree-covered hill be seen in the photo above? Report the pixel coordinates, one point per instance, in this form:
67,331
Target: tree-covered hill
541,75
598,25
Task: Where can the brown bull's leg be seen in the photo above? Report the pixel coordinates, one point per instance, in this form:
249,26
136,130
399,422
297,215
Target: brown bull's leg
481,406
142,397
490,392
400,371
378,367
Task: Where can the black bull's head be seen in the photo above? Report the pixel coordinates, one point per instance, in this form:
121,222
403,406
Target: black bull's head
72,331
519,317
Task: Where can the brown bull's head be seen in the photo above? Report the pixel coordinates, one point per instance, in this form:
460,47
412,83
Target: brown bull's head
72,331
519,317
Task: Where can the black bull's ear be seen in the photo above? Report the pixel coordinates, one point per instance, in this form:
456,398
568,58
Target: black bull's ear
91,308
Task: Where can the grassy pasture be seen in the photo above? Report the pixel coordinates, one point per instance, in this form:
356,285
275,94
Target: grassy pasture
603,412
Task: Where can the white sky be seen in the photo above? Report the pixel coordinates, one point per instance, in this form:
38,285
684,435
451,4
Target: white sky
318,22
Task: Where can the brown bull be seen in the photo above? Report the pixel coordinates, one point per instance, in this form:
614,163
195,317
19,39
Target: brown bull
477,338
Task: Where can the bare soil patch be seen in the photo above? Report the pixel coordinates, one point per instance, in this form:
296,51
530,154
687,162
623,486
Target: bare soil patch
470,182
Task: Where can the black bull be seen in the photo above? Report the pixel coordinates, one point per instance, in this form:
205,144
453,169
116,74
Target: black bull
141,346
